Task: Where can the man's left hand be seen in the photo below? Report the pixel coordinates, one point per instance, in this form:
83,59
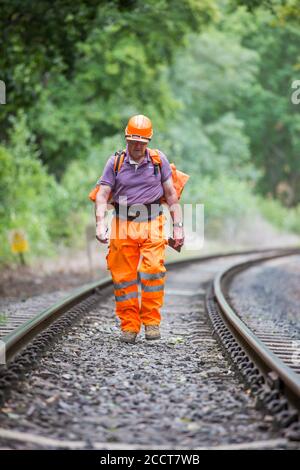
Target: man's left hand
178,235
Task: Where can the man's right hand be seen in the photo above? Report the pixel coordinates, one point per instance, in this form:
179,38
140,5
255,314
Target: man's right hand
101,232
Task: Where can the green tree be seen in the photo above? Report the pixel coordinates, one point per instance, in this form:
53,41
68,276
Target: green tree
29,197
272,121
80,69
209,80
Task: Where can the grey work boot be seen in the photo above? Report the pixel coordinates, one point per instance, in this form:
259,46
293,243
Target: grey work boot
128,337
152,332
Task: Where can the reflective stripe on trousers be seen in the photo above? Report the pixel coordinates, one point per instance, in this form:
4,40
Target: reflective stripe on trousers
129,242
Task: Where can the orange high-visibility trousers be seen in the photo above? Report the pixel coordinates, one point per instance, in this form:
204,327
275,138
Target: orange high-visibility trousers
130,241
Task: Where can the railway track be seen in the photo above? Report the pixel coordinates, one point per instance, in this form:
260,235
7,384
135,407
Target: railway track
186,356
20,327
268,361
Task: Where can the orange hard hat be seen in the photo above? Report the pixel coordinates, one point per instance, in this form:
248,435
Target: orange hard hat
139,128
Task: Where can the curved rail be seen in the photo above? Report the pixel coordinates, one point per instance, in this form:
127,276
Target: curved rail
19,337
269,360
22,335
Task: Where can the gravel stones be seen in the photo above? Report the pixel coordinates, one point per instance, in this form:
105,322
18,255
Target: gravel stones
175,392
267,296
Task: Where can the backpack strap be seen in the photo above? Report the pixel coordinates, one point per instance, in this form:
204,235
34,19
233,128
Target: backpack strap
119,159
156,160
154,155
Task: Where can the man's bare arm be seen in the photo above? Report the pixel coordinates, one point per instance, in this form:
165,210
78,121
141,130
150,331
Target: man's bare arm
172,201
100,209
175,211
101,202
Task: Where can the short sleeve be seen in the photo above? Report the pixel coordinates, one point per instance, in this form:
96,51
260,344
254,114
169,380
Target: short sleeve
166,171
108,175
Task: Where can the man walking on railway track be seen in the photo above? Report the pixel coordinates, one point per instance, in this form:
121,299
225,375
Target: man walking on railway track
136,180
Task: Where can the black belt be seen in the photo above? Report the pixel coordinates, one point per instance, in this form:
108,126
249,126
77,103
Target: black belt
144,214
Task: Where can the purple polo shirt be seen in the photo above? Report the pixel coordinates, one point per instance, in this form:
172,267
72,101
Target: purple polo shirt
140,185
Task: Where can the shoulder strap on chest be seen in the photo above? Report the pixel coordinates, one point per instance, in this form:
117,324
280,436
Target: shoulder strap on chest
119,159
120,155
156,160
155,156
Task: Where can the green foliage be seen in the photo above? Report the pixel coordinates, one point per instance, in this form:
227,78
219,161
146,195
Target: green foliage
74,73
83,69
225,199
38,39
218,148
209,79
28,194
272,121
214,77
285,219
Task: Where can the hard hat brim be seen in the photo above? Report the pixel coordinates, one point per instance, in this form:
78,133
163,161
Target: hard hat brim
137,138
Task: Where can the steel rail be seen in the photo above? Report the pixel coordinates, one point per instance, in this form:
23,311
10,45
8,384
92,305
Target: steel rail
289,378
22,335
